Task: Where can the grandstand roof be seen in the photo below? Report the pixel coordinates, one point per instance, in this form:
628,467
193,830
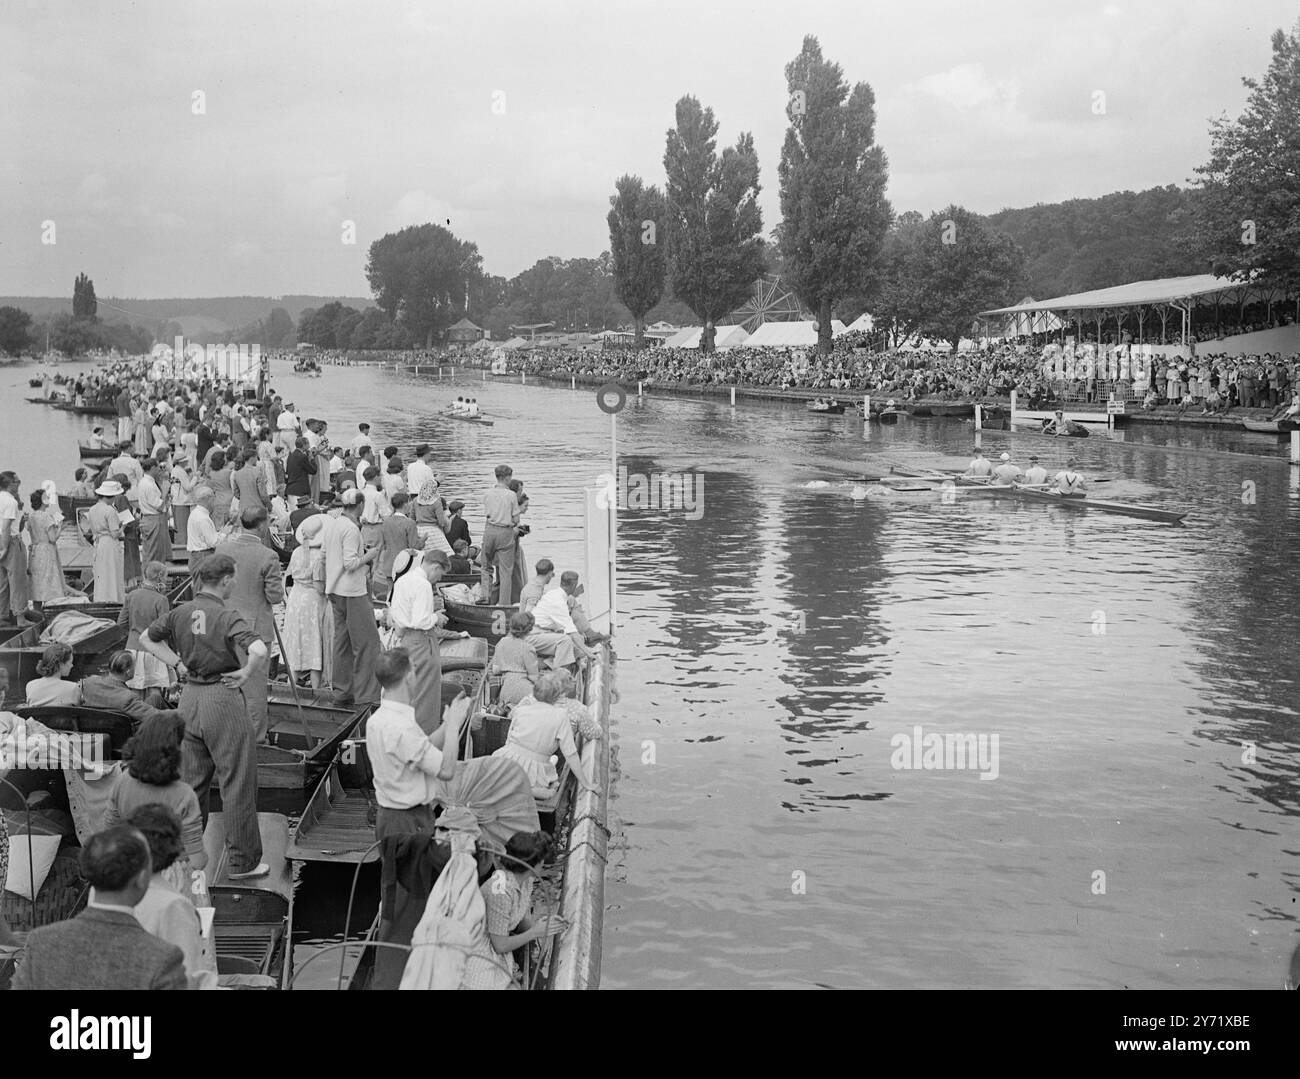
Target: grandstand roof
1134,294
791,334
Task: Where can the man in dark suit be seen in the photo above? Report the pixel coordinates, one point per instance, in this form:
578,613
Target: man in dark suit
259,586
104,947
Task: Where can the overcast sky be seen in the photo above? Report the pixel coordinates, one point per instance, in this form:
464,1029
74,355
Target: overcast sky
381,112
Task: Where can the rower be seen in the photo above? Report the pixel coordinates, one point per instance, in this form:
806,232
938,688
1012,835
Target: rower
1006,473
1035,474
1058,425
981,467
458,405
1069,483
472,408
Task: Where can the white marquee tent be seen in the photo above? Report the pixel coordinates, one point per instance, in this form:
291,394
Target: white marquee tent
723,337
791,334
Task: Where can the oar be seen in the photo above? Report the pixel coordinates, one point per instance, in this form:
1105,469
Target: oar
293,685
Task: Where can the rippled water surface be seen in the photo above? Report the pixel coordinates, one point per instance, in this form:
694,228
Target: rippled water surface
771,650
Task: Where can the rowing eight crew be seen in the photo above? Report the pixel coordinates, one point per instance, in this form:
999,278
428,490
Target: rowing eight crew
1068,483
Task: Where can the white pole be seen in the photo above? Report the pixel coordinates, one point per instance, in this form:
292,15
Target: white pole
573,382
733,396
485,374
1295,447
613,524
638,388
523,378
1013,404
979,417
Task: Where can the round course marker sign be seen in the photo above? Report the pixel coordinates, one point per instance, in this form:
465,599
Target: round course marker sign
606,392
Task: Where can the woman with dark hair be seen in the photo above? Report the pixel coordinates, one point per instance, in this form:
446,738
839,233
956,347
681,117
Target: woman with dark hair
52,688
508,897
109,690
153,775
165,912
143,606
44,569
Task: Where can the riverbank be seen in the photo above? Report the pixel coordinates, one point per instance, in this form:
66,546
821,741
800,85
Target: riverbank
1165,415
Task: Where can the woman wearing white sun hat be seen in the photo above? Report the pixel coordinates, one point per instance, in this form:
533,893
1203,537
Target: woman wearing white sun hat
106,535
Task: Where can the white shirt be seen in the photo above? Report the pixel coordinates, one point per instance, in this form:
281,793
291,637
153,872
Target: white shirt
552,612
417,475
377,505
361,473
287,421
1069,482
404,762
412,605
200,533
9,510
150,497
361,440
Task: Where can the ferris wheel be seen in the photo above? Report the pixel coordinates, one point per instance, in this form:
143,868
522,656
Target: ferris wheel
770,301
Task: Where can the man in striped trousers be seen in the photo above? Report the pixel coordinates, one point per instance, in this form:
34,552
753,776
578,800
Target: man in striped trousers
207,636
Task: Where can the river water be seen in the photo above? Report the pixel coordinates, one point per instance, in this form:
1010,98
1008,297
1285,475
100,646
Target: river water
774,653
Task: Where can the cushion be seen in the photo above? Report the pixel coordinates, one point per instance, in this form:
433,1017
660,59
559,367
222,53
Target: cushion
27,874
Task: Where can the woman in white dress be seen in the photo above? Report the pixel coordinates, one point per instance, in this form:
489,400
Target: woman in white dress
106,535
304,613
539,729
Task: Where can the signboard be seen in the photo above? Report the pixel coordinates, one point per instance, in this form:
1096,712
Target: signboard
1115,408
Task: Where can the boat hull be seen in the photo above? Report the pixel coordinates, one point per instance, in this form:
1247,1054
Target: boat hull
481,421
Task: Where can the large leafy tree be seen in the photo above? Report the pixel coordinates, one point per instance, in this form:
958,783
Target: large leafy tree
84,304
423,276
833,178
942,272
1249,222
15,330
636,217
715,242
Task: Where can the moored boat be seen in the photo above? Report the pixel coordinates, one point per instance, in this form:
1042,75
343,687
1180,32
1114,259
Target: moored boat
95,451
1271,427
829,408
489,620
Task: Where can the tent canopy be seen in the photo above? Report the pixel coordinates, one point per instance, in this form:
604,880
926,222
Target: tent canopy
791,334
864,323
723,337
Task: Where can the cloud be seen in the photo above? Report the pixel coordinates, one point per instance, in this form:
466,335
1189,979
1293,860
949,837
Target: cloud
967,87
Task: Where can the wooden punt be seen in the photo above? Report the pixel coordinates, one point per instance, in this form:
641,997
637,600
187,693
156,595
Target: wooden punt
338,822
251,919
96,451
956,409
488,620
889,415
21,652
93,410
300,745
483,421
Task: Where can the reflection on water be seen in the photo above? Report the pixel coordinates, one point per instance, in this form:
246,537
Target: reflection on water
1141,680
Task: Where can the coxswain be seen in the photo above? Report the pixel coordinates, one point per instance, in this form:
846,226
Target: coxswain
1069,483
1035,474
1006,473
981,467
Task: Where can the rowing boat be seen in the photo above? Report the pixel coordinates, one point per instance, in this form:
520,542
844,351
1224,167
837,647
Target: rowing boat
836,409
1271,427
96,451
490,620
22,651
483,421
1123,509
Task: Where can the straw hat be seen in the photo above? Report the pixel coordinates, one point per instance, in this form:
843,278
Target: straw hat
109,488
310,531
406,560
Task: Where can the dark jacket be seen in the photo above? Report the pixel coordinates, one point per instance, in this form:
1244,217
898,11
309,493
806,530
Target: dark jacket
105,691
259,582
99,949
